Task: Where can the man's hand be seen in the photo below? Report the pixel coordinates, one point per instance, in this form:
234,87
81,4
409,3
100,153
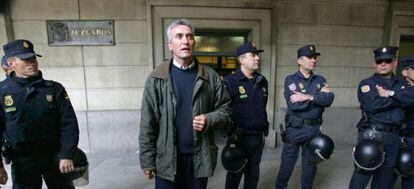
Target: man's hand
66,165
3,176
149,174
299,97
200,122
326,89
382,92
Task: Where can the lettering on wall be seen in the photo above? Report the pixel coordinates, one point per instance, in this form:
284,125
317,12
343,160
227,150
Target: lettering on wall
80,32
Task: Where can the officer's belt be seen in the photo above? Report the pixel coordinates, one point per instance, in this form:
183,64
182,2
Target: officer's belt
387,128
407,133
313,122
301,121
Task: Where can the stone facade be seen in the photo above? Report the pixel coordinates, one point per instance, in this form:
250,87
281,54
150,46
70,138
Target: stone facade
105,83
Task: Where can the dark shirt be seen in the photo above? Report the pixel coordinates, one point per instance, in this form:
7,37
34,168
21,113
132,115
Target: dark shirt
312,85
183,85
381,110
248,102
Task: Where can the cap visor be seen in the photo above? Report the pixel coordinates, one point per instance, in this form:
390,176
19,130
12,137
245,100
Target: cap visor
257,51
27,55
384,57
317,54
409,66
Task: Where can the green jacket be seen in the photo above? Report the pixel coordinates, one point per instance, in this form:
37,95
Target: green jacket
157,149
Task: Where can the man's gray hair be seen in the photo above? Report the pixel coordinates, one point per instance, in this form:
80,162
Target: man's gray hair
177,22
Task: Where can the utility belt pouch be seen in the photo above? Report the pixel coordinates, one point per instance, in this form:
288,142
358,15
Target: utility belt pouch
283,133
362,124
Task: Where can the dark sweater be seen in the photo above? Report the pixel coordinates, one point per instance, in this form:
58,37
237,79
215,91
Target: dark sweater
183,85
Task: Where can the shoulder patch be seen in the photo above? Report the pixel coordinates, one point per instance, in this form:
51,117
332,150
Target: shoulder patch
292,87
365,88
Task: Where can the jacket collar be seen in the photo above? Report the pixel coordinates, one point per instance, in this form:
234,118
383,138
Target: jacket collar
377,77
26,81
300,75
163,71
240,76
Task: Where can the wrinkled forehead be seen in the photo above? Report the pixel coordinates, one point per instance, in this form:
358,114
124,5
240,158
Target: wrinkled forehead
182,29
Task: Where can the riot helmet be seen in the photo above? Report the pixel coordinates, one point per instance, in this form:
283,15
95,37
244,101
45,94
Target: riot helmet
368,154
405,162
321,148
233,158
80,174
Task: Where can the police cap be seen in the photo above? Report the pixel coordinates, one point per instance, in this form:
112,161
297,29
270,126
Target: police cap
308,51
20,48
407,62
386,52
248,47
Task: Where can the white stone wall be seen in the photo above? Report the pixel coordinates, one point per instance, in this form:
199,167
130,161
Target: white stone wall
105,83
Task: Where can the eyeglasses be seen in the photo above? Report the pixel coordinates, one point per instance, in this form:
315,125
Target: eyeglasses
388,61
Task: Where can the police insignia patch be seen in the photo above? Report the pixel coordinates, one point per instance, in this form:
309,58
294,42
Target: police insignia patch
292,87
8,100
49,98
242,90
365,88
25,45
318,86
384,50
301,86
311,48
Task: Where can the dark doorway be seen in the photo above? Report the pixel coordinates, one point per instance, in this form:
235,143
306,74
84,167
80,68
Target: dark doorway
217,48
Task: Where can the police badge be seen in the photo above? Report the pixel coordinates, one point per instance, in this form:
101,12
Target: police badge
49,98
8,100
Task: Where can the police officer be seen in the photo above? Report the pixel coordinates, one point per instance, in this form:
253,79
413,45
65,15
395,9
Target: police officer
248,91
307,95
37,120
384,117
406,97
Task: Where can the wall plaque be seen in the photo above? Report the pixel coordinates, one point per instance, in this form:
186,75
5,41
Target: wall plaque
80,32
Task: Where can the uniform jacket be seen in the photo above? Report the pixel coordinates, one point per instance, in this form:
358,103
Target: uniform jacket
37,111
381,110
248,102
405,96
157,137
312,85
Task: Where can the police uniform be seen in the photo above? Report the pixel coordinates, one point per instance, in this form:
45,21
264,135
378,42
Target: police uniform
386,116
39,124
302,122
248,102
406,97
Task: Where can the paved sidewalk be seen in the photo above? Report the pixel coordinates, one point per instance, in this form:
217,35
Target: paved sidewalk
121,171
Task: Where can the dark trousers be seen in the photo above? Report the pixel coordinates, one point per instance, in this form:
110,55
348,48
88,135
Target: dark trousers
290,152
184,179
252,145
28,171
383,177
